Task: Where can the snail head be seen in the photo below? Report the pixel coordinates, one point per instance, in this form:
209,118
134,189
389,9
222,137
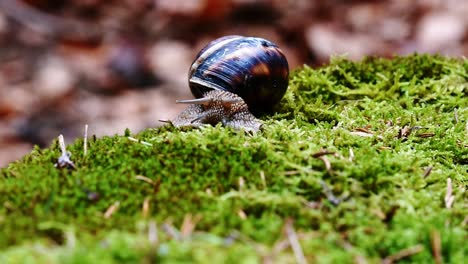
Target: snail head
217,107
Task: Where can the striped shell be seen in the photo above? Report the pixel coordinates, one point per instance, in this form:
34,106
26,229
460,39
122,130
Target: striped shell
253,68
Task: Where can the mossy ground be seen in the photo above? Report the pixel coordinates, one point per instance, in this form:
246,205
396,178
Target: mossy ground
345,162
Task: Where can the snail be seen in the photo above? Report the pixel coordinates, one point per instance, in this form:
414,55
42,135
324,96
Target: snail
233,78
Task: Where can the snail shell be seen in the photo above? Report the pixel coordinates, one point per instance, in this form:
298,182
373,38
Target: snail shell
253,68
233,77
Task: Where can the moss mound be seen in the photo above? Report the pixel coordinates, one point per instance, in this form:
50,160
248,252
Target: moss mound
361,161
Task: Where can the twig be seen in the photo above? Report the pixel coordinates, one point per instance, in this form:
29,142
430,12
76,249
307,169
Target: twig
85,140
111,210
449,198
455,114
294,242
403,254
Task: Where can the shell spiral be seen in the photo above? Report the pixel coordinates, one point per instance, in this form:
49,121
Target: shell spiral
253,68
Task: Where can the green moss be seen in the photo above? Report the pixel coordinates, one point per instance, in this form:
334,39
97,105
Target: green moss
243,187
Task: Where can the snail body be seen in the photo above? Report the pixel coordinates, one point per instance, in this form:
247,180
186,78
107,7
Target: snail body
233,77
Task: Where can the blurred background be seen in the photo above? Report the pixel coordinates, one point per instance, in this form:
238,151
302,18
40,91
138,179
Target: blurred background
122,64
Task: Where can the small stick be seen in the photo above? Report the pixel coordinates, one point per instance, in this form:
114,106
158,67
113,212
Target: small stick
294,242
455,114
85,140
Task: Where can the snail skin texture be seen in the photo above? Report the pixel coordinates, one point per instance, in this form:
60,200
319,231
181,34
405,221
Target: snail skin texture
233,78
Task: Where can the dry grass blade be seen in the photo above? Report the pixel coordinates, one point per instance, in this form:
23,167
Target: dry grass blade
188,225
145,207
145,179
327,163
361,134
171,231
449,197
153,237
364,130
140,141
294,242
63,149
436,246
111,210
241,183
426,135
262,177
427,171
242,214
322,153
351,155
403,254
85,141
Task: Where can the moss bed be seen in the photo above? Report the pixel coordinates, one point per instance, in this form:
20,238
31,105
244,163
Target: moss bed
362,162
